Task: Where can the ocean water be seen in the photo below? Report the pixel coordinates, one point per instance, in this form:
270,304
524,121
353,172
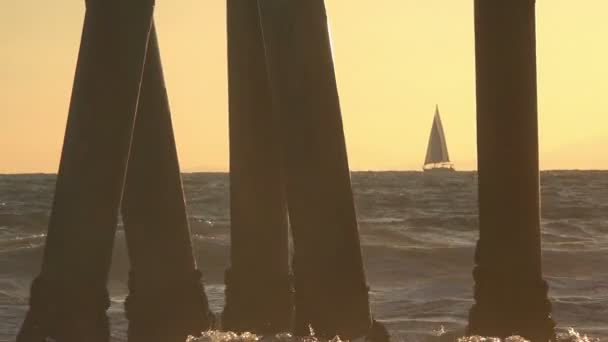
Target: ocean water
418,236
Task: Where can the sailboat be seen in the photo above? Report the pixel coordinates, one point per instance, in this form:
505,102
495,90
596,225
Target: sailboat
437,156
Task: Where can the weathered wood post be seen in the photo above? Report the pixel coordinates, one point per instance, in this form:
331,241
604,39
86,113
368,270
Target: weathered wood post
258,284
331,289
510,293
69,298
166,299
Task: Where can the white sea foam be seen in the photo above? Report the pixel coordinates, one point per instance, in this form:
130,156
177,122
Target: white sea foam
570,335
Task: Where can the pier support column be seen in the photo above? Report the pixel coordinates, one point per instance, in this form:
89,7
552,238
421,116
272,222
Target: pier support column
69,299
258,284
510,293
331,289
166,301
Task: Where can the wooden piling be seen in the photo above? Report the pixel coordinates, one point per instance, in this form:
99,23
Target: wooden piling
331,290
510,294
69,298
166,301
258,283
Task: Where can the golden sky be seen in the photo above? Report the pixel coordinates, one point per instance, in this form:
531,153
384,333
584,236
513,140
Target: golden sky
395,59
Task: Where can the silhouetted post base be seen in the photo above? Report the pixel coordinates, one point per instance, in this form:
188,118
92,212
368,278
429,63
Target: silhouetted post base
346,320
506,305
510,293
263,305
66,313
378,333
161,311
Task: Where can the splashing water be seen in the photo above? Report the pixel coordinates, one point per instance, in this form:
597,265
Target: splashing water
219,336
571,335
574,336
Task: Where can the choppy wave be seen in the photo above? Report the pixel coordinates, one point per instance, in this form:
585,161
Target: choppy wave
418,235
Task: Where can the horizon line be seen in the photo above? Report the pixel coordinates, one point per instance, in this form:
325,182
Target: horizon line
352,171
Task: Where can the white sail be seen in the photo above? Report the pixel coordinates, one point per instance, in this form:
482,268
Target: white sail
437,150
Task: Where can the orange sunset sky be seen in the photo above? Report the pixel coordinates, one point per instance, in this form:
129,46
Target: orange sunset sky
395,59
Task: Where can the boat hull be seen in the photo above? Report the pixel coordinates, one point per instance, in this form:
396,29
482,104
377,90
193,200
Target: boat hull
440,170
